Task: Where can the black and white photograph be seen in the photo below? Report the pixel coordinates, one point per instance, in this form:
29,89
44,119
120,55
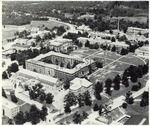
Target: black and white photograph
75,62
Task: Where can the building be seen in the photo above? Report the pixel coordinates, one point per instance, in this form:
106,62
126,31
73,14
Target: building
98,40
80,85
87,16
42,78
40,33
60,65
7,53
142,51
84,28
60,44
137,30
119,45
9,108
20,47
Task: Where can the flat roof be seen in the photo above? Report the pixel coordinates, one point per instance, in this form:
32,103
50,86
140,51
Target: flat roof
71,71
8,104
38,75
79,82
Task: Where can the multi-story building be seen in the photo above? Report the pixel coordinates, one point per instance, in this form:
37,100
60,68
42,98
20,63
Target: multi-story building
60,65
80,85
60,44
9,108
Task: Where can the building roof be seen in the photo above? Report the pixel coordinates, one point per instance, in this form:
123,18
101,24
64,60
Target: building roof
38,75
8,104
84,27
135,120
77,83
9,51
85,62
121,44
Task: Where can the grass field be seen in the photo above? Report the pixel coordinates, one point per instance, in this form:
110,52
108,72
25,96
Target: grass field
109,55
132,59
49,24
118,66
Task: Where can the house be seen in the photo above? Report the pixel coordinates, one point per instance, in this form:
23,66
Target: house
9,108
84,28
80,85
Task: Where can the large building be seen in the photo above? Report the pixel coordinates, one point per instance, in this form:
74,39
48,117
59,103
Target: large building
60,65
80,85
9,108
60,44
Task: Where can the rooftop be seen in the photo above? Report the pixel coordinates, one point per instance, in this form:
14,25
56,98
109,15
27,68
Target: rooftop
38,75
77,83
8,104
71,71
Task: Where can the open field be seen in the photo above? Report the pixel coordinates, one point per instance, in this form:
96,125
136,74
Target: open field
118,66
132,59
108,54
102,75
48,24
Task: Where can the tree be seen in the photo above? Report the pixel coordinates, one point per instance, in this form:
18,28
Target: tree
80,44
108,84
42,97
4,75
124,51
67,108
70,99
110,31
125,82
100,110
90,69
124,105
77,118
3,93
139,85
99,65
49,98
98,87
116,82
34,114
87,98
113,39
38,38
68,65
97,95
95,108
113,49
135,88
66,84
14,67
43,113
80,100
13,56
14,98
84,115
32,94
19,118
87,44
10,122
61,64
145,99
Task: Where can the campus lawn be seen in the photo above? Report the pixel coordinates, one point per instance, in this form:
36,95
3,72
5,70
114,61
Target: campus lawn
108,54
48,24
102,60
79,55
118,66
132,59
102,75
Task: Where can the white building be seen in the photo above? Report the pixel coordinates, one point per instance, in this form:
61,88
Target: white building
60,44
9,108
80,85
42,78
84,28
137,30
